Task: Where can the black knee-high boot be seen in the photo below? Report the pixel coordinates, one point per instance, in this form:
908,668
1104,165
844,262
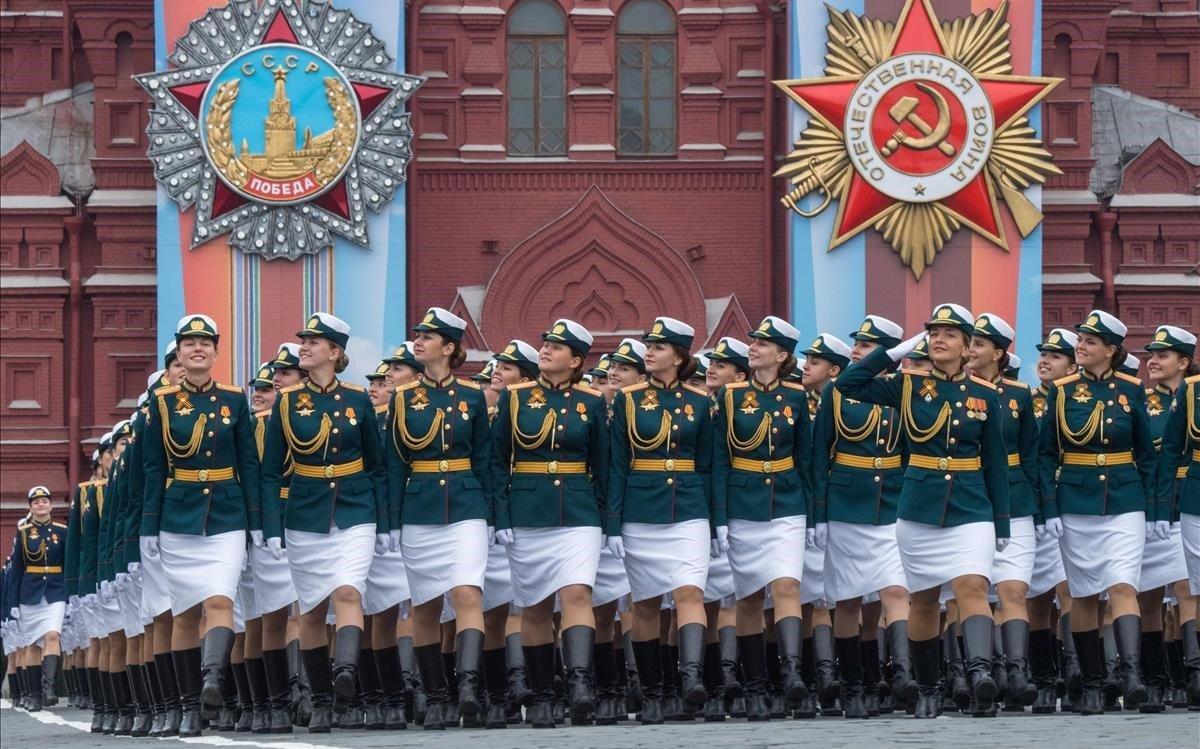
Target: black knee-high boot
216,647
977,650
691,665
168,684
1190,644
1091,666
347,647
158,711
869,653
433,677
648,655
372,690
320,679
50,666
1015,634
237,712
95,685
141,701
189,682
1041,664
539,667
926,662
34,687
789,638
577,646
279,690
260,695
754,672
823,657
519,693
124,700
1154,672
391,681
849,656
1127,631
604,660
495,679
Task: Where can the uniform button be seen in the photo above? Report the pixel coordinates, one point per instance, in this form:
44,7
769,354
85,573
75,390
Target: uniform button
567,394
885,422
876,479
955,422
208,453
449,392
206,490
670,481
335,449
210,434
962,388
678,395
958,404
775,430
337,414
1102,477
776,413
673,445
1106,440
1108,421
947,477
557,482
446,426
1110,403
767,482
676,411
337,396
212,398
332,484
953,441
879,441
779,397
441,482
336,430
565,410
675,427
449,409
1112,385
561,427
213,415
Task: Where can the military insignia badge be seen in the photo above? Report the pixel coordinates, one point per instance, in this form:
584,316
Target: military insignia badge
197,324
649,399
1082,394
420,399
304,405
1124,401
749,402
464,409
581,409
916,128
1153,404
537,398
928,389
1039,406
689,412
1160,335
183,404
351,416
281,124
225,413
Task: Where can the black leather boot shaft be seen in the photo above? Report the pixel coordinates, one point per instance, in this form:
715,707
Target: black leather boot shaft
926,668
260,698
1127,631
188,681
578,643
849,658
648,655
141,701
539,665
433,677
279,690
1015,635
320,680
977,652
347,647
691,665
754,670
214,665
1091,664
823,656
468,649
495,680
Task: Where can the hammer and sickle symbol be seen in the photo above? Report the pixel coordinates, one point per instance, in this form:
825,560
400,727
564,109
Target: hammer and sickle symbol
905,111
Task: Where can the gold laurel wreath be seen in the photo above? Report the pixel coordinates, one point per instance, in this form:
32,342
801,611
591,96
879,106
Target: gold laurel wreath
916,231
345,131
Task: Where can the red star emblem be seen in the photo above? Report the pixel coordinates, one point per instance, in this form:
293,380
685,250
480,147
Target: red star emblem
935,99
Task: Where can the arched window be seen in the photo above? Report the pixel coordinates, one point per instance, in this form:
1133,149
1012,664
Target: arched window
646,86
537,65
1061,64
125,69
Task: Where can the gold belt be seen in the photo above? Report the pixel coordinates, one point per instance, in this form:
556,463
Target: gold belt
1014,460
763,466
870,464
203,475
945,464
441,466
283,493
1181,472
44,570
669,465
1196,456
335,471
554,466
1097,459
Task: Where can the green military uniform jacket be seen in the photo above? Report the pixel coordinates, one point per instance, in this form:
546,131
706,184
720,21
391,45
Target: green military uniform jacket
758,430
1181,448
550,456
1020,430
338,475
109,537
90,510
661,424
1091,430
945,420
439,453
193,432
858,461
74,519
134,491
1159,402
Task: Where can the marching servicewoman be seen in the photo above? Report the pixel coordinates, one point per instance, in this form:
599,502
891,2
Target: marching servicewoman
1164,565
1013,568
762,493
1056,360
335,515
91,495
660,507
201,496
112,615
438,459
858,473
953,511
36,592
549,467
1097,467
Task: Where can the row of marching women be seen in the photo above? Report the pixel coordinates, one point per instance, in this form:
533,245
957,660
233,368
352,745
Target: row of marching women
899,523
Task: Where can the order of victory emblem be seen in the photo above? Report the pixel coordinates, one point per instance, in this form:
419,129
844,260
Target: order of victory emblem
914,129
281,123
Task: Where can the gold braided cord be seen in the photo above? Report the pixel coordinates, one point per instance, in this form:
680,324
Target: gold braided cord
401,428
173,448
30,554
260,437
1193,425
297,445
738,445
527,441
1094,424
636,441
916,432
99,500
853,434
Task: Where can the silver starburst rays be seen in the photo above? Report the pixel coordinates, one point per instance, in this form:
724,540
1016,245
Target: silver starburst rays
225,138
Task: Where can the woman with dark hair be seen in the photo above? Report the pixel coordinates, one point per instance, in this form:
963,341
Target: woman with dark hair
548,469
660,505
439,451
1097,465
201,496
1164,564
335,516
953,512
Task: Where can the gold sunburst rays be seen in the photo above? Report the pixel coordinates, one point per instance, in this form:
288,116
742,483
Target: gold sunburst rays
856,43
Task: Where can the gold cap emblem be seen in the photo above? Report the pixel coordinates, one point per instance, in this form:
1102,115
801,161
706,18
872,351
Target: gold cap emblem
720,348
264,373
313,322
624,349
196,324
1093,319
1160,335
428,318
510,348
559,329
944,313
818,343
866,327
1054,338
658,327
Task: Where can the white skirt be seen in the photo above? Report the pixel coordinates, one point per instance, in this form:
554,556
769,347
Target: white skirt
1163,561
1189,526
861,559
246,593
719,585
323,562
108,614
387,583
200,567
545,560
612,582
1048,569
130,600
440,557
761,551
1100,551
932,555
156,596
1017,560
497,579
40,619
660,557
273,588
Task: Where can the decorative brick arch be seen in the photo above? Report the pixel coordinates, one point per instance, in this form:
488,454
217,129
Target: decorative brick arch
1159,169
25,171
594,264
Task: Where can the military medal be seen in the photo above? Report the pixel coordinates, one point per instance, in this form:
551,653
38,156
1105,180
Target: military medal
224,414
304,405
787,414
1082,394
1124,401
1153,404
462,409
183,404
581,409
537,398
351,416
1039,407
928,389
749,403
689,412
649,399
1012,404
419,400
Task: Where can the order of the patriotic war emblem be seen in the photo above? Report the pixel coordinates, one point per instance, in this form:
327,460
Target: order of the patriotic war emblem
281,124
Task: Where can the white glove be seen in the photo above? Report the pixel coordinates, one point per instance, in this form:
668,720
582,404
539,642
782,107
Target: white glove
491,530
15,613
904,348
382,543
134,568
122,581
1054,528
822,536
151,542
505,536
1002,544
256,538
810,538
89,599
105,590
74,603
616,546
394,541
722,538
275,546
714,549
1158,529
1039,533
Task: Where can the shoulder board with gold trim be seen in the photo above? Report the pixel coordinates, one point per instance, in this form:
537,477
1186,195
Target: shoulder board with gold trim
522,385
22,526
85,485
382,408
1149,391
696,390
737,385
408,386
1193,379
230,388
1128,378
914,372
585,389
1066,380
291,388
166,390
1015,383
57,524
635,387
981,381
263,414
353,386
467,383
793,386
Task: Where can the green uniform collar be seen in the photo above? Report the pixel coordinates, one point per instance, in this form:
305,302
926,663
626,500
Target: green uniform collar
1161,388
327,389
1088,375
764,388
657,383
962,375
565,385
425,380
188,386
